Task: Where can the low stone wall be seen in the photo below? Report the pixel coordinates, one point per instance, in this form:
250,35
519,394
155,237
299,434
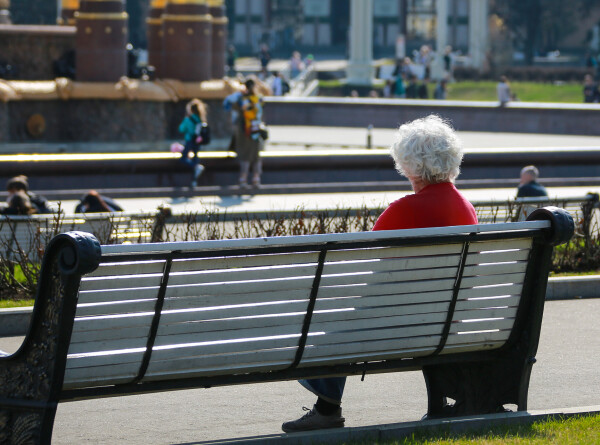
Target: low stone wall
31,50
516,117
103,120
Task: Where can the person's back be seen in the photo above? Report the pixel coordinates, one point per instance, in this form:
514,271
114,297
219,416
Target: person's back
436,205
532,189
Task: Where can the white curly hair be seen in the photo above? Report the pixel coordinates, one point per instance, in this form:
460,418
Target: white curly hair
429,149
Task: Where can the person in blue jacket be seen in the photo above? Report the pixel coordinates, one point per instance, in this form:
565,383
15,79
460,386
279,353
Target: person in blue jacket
190,127
528,186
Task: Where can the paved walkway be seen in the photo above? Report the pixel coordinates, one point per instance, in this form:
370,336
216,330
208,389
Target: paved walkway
566,375
310,201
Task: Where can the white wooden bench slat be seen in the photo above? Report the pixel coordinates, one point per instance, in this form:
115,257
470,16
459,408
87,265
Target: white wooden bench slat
485,346
108,334
197,301
398,320
132,358
467,339
228,324
242,288
501,245
127,307
162,370
128,268
121,282
491,291
374,253
116,344
238,275
138,321
497,256
224,348
359,335
246,261
401,277
489,280
113,375
391,264
495,269
386,355
370,347
477,314
482,303
100,296
164,340
502,324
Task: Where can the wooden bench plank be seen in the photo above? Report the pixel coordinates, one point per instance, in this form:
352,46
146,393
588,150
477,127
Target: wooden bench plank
128,268
240,275
243,262
391,264
101,296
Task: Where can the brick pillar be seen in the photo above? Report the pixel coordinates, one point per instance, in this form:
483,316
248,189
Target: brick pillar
219,37
67,12
155,35
5,12
100,45
187,36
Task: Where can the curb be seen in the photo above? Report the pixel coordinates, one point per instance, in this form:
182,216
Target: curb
395,431
15,321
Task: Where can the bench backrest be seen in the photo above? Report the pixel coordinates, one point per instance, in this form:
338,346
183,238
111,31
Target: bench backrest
229,310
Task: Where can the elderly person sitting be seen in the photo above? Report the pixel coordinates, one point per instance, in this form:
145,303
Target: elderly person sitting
528,186
428,152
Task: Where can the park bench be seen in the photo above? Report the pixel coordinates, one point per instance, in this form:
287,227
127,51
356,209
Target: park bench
463,304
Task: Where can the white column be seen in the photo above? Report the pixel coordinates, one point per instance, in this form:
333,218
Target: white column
360,69
478,32
441,38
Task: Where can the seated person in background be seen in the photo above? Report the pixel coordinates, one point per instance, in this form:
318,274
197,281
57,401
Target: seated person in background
21,184
428,152
19,204
94,203
529,187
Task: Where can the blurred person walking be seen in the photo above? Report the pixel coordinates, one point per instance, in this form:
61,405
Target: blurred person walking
196,133
590,90
503,91
250,135
296,64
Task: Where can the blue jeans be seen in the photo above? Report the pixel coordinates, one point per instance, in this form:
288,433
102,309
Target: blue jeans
330,389
193,147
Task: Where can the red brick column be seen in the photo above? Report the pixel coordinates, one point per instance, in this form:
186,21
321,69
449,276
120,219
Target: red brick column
101,41
219,37
187,35
155,35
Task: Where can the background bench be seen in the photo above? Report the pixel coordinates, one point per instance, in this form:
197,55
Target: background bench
464,304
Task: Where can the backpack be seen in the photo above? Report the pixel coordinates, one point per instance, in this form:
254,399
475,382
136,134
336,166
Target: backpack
203,131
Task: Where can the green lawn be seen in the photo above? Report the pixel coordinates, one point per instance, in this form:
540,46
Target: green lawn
525,91
582,430
486,91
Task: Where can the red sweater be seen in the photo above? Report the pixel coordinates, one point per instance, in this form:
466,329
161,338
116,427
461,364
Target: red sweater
436,205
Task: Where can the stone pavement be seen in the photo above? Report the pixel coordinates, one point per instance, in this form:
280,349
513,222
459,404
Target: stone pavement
565,375
310,201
